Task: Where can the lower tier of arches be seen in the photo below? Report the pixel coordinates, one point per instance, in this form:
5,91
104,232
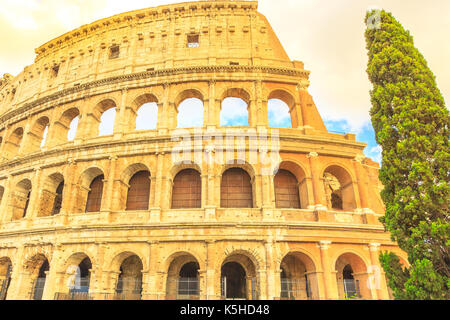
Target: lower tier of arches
210,269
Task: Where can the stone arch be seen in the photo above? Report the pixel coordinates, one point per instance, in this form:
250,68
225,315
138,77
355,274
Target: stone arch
247,182
298,276
132,169
34,275
234,283
128,267
288,99
77,277
177,168
176,286
188,94
12,144
21,198
138,193
95,118
187,189
84,187
124,185
65,129
51,195
38,134
339,188
144,100
5,276
298,171
189,98
351,275
236,93
237,117
239,163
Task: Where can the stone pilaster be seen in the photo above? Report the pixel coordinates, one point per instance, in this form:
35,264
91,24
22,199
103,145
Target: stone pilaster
329,279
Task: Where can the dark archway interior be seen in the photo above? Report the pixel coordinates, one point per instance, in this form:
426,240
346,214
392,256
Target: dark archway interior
83,276
188,281
58,199
39,283
234,280
351,287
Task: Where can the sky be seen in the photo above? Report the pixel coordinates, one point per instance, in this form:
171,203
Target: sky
327,35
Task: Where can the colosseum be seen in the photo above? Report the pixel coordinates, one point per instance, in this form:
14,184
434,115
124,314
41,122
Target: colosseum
215,211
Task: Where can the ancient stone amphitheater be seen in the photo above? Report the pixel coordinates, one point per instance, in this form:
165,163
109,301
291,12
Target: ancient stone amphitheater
212,212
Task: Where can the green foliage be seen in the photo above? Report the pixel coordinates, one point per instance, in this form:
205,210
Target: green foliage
411,124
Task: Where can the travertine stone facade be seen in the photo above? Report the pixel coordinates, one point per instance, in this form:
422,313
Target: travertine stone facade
208,50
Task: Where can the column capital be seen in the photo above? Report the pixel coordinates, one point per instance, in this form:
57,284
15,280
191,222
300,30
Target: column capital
374,246
312,155
113,157
359,158
324,244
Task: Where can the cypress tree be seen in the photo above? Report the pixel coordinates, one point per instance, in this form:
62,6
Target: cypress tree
411,124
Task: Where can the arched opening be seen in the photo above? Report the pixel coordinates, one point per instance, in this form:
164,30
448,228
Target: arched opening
352,277
189,106
147,116
188,283
238,278
280,108
106,126
144,112
65,129
236,189
58,199
234,113
187,190
138,191
235,108
279,115
73,126
5,276
129,282
298,278
12,145
351,287
286,190
339,189
183,278
51,196
2,191
39,283
234,281
190,113
38,134
94,198
79,287
21,199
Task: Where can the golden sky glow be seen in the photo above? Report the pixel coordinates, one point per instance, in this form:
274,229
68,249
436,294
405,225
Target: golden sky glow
327,35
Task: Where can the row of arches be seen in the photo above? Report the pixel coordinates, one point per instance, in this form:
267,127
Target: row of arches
144,114
238,277
236,190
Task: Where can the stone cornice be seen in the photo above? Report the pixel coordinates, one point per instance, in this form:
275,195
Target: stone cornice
152,74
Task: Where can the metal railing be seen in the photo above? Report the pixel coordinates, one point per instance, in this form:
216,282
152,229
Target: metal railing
38,289
351,289
73,296
123,296
296,289
4,285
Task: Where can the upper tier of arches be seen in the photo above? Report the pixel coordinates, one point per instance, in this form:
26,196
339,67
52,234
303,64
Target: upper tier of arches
158,108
